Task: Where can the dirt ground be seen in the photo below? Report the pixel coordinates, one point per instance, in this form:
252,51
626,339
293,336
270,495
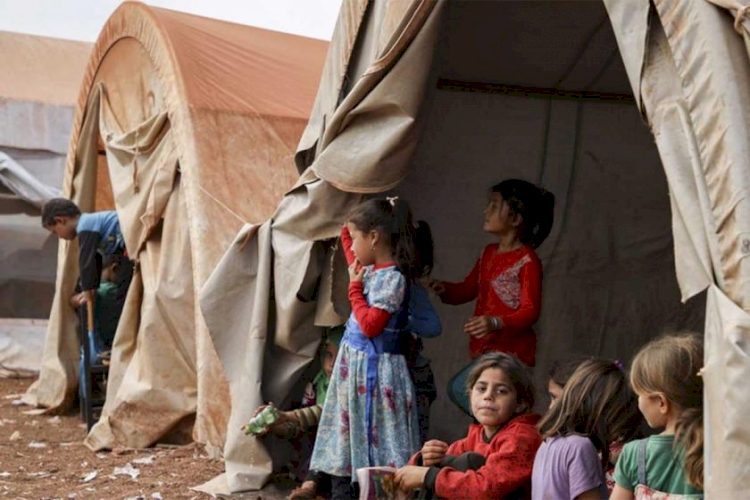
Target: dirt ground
42,457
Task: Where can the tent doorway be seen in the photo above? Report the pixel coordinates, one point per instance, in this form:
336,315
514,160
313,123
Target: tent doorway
537,90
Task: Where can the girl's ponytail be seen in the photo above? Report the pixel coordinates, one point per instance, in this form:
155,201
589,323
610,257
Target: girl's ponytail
545,217
402,233
689,433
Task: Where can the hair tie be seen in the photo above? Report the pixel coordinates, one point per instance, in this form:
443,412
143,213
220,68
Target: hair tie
391,200
619,365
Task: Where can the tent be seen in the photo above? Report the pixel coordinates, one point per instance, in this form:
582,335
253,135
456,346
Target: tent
437,101
186,126
37,98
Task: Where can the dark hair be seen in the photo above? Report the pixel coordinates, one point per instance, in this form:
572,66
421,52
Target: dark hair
598,403
670,366
425,248
392,217
518,373
561,370
58,207
534,205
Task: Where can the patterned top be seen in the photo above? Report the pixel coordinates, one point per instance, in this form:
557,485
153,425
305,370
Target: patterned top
507,285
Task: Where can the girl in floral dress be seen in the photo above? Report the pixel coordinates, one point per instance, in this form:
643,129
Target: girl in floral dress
370,415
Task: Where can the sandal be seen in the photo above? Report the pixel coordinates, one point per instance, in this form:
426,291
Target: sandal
303,493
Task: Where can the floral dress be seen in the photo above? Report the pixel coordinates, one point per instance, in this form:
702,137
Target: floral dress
370,417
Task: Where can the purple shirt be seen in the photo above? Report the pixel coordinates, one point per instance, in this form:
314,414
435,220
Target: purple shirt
565,467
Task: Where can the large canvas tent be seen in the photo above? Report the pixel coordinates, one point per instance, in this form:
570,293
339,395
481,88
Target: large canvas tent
38,91
186,126
436,101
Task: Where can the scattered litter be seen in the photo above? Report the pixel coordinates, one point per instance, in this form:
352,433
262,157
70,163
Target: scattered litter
37,474
68,444
15,436
128,470
90,477
17,402
72,495
54,421
4,474
36,444
34,411
8,421
145,460
84,464
140,497
156,496
13,396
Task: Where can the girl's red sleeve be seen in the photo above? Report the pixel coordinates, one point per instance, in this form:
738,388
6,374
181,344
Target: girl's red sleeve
372,320
346,243
506,470
463,292
530,304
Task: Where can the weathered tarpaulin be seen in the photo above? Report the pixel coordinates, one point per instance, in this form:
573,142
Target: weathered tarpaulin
187,127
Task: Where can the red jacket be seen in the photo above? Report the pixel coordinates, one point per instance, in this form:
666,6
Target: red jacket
507,285
510,458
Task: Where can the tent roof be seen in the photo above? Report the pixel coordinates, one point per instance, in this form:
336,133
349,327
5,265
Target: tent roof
43,69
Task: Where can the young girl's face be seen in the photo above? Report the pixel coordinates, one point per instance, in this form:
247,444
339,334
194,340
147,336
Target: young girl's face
498,218
362,245
493,400
329,358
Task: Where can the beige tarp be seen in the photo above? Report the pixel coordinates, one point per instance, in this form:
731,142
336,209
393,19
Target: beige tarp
186,126
38,90
441,100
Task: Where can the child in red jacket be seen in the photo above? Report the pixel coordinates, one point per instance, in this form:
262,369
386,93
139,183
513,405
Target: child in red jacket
506,281
494,461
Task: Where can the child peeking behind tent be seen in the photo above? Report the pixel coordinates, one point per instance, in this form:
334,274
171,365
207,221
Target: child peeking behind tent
108,307
300,425
506,281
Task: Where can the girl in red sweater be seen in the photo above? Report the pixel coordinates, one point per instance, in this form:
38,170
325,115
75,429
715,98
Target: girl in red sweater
506,280
495,460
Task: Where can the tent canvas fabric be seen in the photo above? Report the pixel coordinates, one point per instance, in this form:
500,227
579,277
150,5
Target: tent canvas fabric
38,93
436,101
186,126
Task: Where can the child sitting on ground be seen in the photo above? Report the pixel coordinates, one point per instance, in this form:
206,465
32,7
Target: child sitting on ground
597,407
300,425
665,375
495,460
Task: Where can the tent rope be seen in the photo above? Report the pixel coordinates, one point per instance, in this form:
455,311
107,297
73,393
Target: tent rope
222,205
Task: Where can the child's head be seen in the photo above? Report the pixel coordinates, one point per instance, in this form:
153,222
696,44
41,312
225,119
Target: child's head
559,374
60,217
520,206
331,349
499,388
110,267
384,225
597,402
665,377
425,248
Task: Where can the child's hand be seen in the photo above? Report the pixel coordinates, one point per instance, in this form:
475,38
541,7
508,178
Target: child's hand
77,300
356,272
480,326
433,452
435,285
410,477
